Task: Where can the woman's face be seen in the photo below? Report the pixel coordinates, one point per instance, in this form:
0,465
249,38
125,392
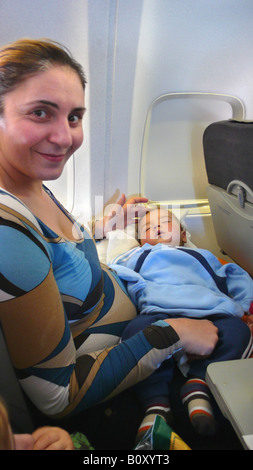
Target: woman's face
41,125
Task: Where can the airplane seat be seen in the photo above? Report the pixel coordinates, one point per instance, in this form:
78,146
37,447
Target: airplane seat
228,152
11,393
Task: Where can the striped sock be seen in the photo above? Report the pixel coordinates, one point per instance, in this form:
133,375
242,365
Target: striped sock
196,396
149,418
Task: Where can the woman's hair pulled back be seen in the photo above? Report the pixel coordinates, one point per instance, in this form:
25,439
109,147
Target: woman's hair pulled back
26,57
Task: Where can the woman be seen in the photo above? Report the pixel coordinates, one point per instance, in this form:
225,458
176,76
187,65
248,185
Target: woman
62,314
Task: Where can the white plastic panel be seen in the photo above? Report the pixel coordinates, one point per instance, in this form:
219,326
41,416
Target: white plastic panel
172,160
184,46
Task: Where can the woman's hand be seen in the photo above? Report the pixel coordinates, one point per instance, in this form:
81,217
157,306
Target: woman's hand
198,337
121,214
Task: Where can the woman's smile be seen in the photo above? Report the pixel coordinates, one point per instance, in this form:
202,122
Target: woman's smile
55,158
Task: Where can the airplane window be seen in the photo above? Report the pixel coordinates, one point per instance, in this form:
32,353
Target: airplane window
172,159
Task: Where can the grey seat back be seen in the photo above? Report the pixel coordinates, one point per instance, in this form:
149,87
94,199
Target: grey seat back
12,394
228,151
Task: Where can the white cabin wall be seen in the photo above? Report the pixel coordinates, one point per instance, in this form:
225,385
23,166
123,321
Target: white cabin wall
184,46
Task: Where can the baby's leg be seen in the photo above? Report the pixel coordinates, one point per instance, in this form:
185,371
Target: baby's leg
235,342
196,397
153,392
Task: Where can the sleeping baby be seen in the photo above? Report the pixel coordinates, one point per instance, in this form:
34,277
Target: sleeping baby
167,279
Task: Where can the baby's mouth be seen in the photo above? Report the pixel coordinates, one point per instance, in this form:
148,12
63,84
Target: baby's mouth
159,233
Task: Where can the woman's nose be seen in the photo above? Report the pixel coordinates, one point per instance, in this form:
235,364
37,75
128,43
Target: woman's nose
61,134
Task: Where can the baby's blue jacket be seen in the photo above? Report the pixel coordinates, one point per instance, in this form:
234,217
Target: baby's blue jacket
180,280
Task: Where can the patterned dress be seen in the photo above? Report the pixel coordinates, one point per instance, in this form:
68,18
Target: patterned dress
63,314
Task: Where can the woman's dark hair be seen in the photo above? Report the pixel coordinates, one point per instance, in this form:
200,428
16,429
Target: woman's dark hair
26,57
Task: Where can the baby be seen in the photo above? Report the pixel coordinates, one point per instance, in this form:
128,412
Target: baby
161,226
166,279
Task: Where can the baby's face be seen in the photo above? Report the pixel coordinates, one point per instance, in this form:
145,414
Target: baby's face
160,226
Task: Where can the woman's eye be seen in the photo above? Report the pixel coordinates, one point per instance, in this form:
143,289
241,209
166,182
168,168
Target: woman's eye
75,118
39,113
